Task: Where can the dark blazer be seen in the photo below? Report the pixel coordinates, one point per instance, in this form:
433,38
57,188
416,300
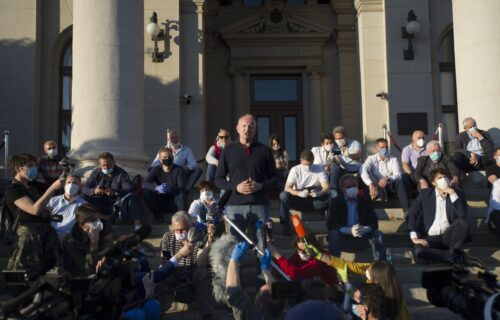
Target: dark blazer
337,217
424,164
462,139
423,211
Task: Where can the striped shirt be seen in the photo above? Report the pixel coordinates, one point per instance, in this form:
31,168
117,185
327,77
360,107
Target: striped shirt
170,246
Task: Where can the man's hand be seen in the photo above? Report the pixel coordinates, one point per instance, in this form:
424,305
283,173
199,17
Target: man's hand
303,193
255,186
56,185
210,232
317,254
473,159
455,182
450,191
274,252
422,242
373,191
149,284
99,190
163,188
383,182
355,230
100,264
326,168
362,230
248,187
109,192
185,251
239,250
424,184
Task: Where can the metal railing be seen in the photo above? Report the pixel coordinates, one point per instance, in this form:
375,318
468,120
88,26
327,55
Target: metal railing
5,145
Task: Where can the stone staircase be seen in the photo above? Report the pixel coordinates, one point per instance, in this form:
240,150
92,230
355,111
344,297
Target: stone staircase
391,223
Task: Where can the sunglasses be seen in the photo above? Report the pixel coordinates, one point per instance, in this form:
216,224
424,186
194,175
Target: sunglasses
224,137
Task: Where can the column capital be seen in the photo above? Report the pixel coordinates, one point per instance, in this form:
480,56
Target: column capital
314,71
368,6
343,6
237,71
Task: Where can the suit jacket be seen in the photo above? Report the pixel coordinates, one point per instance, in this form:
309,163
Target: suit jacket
462,139
423,211
424,164
337,217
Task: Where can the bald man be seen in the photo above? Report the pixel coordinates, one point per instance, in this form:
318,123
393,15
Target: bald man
247,169
409,159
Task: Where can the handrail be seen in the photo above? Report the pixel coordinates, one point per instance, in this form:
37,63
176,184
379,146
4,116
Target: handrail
6,150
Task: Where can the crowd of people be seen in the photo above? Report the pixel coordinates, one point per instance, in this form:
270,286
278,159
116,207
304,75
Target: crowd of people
64,222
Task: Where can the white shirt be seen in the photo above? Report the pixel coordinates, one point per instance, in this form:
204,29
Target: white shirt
183,156
474,146
302,180
67,210
494,199
441,222
196,206
352,147
321,156
375,167
211,156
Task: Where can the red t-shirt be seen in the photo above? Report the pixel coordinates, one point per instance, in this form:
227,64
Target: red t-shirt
299,269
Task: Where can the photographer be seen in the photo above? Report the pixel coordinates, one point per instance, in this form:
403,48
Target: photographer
191,268
37,247
88,236
265,307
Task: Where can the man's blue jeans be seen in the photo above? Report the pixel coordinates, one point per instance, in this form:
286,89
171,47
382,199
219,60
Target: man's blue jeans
289,201
336,240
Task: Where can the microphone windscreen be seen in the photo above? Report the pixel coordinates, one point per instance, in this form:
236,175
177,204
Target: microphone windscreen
299,228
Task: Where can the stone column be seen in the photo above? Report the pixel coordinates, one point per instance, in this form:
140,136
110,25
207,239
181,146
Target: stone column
372,65
477,62
348,68
239,83
315,122
108,80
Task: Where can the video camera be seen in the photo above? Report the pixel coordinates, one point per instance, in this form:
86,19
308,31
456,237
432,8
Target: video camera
464,293
67,167
57,295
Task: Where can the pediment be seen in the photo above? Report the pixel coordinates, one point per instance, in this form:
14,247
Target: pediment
274,19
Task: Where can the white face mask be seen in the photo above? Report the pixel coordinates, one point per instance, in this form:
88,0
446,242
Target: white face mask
303,256
52,153
472,129
497,159
71,189
328,147
420,143
96,225
443,183
181,236
351,193
276,148
340,142
206,195
306,167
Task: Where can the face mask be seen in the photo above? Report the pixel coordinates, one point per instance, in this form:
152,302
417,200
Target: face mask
206,195
167,161
306,167
96,225
472,129
181,236
107,171
328,147
420,143
32,173
351,193
435,156
303,256
443,183
52,153
340,142
383,152
71,189
498,160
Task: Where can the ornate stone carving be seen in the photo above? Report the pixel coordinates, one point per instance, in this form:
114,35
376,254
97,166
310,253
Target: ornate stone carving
276,19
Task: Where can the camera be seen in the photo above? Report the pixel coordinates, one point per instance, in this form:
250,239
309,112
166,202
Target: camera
462,292
67,167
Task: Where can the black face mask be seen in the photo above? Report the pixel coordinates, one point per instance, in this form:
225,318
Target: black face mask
167,161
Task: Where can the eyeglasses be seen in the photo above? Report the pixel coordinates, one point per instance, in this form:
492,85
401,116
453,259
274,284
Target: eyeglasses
224,137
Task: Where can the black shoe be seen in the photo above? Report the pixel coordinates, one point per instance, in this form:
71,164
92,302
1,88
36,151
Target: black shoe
472,261
456,257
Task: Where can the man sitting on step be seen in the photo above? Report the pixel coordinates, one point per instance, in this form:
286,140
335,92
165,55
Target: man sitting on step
352,219
493,175
437,222
382,174
306,188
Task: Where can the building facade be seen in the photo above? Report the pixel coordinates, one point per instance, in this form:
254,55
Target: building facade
81,72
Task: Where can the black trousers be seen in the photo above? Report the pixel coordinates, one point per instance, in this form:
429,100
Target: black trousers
463,163
494,222
441,247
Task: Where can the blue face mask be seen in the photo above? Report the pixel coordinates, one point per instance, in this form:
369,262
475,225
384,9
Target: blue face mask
435,156
32,173
354,311
383,152
107,171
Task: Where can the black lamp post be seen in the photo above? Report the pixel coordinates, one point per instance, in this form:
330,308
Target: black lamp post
409,31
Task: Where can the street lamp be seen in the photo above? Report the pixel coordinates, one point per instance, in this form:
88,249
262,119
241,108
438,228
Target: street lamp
409,31
156,34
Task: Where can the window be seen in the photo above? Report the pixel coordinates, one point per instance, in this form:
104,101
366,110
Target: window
65,73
